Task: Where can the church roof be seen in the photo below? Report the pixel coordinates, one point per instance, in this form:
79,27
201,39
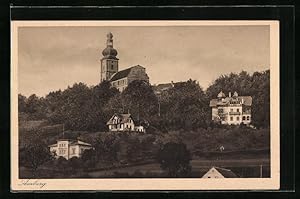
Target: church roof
123,73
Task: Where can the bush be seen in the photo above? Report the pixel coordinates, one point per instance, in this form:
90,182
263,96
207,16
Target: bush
175,159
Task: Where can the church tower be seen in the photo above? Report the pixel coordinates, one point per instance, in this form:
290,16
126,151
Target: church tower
109,62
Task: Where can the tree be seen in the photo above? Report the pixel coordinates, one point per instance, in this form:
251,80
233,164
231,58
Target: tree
184,106
89,158
22,103
63,165
256,85
134,149
80,107
175,159
74,163
140,100
107,147
35,153
100,96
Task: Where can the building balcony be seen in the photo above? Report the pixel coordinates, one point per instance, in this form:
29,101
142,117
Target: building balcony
234,113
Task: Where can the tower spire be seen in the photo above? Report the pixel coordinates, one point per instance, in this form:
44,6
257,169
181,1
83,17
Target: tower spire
109,41
109,61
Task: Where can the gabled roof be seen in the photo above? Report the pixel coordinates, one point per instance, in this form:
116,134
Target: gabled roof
227,173
162,87
79,142
123,73
71,142
247,101
123,118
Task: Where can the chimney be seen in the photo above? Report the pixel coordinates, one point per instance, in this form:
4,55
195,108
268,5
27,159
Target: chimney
229,95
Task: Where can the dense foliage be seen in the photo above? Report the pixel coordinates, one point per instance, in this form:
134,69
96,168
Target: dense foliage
256,85
175,159
185,106
118,150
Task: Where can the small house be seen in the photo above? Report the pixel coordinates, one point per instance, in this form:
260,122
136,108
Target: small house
124,122
121,122
217,172
68,148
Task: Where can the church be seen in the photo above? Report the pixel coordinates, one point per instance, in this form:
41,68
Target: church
110,68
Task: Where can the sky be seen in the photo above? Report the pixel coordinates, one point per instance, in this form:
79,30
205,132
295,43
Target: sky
53,58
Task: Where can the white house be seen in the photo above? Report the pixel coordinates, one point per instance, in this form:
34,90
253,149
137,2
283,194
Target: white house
123,122
232,109
217,172
69,148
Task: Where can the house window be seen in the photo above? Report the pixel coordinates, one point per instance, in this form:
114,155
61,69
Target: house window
248,117
231,118
237,110
73,150
244,118
112,67
238,118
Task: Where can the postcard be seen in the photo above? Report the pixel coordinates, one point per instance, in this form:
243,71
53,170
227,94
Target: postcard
145,105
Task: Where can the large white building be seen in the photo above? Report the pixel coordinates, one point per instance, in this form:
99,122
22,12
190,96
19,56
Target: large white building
232,109
69,148
110,68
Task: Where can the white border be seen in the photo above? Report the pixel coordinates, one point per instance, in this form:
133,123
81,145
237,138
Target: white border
154,183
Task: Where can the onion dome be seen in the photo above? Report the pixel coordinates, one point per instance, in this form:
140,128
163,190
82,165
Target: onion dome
221,95
109,51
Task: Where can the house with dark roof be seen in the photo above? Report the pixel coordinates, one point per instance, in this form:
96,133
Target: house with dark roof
218,172
110,68
160,88
123,123
232,109
69,148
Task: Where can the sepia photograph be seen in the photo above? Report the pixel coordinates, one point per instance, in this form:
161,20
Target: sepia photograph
145,105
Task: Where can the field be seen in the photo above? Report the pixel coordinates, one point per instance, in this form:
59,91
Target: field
248,168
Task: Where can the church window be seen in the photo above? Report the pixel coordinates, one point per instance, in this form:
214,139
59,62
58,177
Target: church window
248,117
237,110
112,67
73,150
244,118
238,118
231,118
